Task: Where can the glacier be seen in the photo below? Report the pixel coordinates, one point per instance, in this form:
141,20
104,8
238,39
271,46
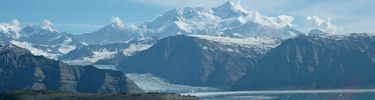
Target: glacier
151,83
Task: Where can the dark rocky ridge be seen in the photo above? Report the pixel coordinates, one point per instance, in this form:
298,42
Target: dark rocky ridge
192,61
20,70
315,62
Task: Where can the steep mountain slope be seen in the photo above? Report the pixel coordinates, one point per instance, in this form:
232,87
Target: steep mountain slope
20,70
315,62
199,61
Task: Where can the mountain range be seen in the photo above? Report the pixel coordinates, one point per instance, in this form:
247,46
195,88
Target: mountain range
227,20
41,39
224,47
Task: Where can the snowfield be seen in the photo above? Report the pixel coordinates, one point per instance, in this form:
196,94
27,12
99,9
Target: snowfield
35,51
134,48
98,55
260,44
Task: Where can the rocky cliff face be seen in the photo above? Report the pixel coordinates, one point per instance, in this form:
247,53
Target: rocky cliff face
193,61
20,70
315,62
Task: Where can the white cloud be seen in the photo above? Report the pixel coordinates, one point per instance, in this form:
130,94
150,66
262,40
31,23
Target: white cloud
11,29
281,21
13,26
315,22
117,22
286,20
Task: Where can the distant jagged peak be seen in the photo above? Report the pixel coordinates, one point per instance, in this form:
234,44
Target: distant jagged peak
229,5
46,27
229,9
177,14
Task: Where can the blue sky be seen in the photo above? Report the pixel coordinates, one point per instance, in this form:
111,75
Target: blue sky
80,16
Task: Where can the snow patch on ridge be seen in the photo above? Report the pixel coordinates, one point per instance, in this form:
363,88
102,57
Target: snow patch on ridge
35,51
135,48
102,54
65,47
98,55
246,42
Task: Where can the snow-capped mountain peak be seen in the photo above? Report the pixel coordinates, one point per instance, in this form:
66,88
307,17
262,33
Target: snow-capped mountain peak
180,15
48,26
115,32
229,19
317,32
229,9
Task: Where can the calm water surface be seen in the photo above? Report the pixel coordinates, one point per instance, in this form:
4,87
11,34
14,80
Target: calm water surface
342,94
